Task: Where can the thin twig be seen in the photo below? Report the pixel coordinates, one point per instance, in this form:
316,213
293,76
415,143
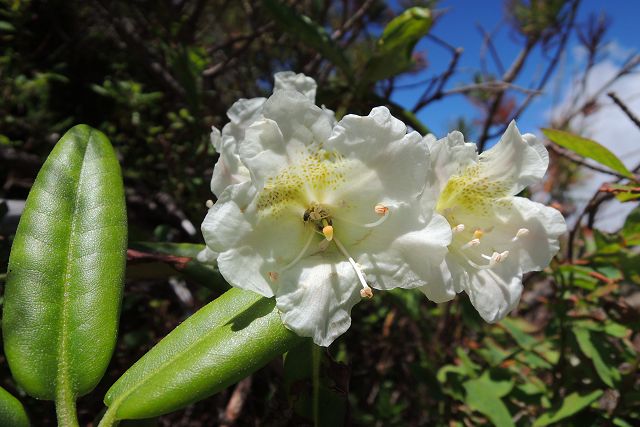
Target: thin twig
625,109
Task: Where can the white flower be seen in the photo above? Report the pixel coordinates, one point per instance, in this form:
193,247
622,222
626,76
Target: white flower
496,237
329,212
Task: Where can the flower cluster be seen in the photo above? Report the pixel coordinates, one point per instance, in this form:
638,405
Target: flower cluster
319,213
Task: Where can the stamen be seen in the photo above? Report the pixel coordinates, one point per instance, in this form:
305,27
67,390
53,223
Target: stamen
209,203
478,233
323,245
471,243
273,276
301,254
521,233
366,291
458,228
379,209
496,257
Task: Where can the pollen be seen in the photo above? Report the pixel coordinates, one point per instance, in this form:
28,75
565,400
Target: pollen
381,209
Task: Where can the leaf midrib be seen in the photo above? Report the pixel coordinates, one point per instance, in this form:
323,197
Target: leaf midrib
62,380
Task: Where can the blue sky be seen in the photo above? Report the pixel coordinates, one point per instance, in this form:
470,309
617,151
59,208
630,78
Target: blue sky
458,27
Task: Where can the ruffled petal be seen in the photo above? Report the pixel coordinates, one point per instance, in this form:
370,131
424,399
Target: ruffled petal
397,161
516,161
242,114
449,156
406,251
316,296
495,292
288,80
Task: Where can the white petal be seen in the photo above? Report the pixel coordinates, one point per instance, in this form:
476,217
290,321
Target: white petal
228,169
216,138
495,292
449,156
316,297
288,80
396,160
516,161
250,245
242,114
406,251
207,256
263,151
545,225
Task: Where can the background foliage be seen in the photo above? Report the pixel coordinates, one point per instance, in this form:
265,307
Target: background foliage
155,75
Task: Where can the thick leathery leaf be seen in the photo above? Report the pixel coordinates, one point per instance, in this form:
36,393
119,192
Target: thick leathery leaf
66,270
12,412
220,344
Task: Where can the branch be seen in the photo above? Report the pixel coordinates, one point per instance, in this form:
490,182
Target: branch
625,109
576,159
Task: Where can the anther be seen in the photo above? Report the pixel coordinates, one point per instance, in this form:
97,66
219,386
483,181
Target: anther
478,233
381,209
366,292
458,228
327,230
273,276
471,243
498,257
209,203
521,233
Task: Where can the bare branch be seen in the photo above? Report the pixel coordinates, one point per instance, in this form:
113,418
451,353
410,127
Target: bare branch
625,109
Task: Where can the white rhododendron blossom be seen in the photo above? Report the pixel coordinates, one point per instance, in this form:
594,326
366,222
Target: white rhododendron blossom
496,236
325,212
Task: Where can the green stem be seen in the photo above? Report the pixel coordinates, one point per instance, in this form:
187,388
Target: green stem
316,357
66,407
109,418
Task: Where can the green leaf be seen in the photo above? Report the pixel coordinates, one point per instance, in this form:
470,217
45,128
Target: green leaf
317,385
592,348
12,412
308,32
220,344
66,271
484,394
631,229
394,48
572,404
587,148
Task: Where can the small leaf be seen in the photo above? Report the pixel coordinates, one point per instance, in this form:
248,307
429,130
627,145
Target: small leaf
66,270
572,404
308,32
394,50
220,344
12,412
587,148
598,355
484,395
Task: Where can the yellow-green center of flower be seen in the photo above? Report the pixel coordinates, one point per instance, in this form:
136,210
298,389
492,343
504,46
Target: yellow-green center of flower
472,194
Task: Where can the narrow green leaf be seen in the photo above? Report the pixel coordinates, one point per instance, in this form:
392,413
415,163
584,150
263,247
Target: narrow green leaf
572,404
587,148
66,270
484,394
394,49
12,412
607,373
307,31
220,344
